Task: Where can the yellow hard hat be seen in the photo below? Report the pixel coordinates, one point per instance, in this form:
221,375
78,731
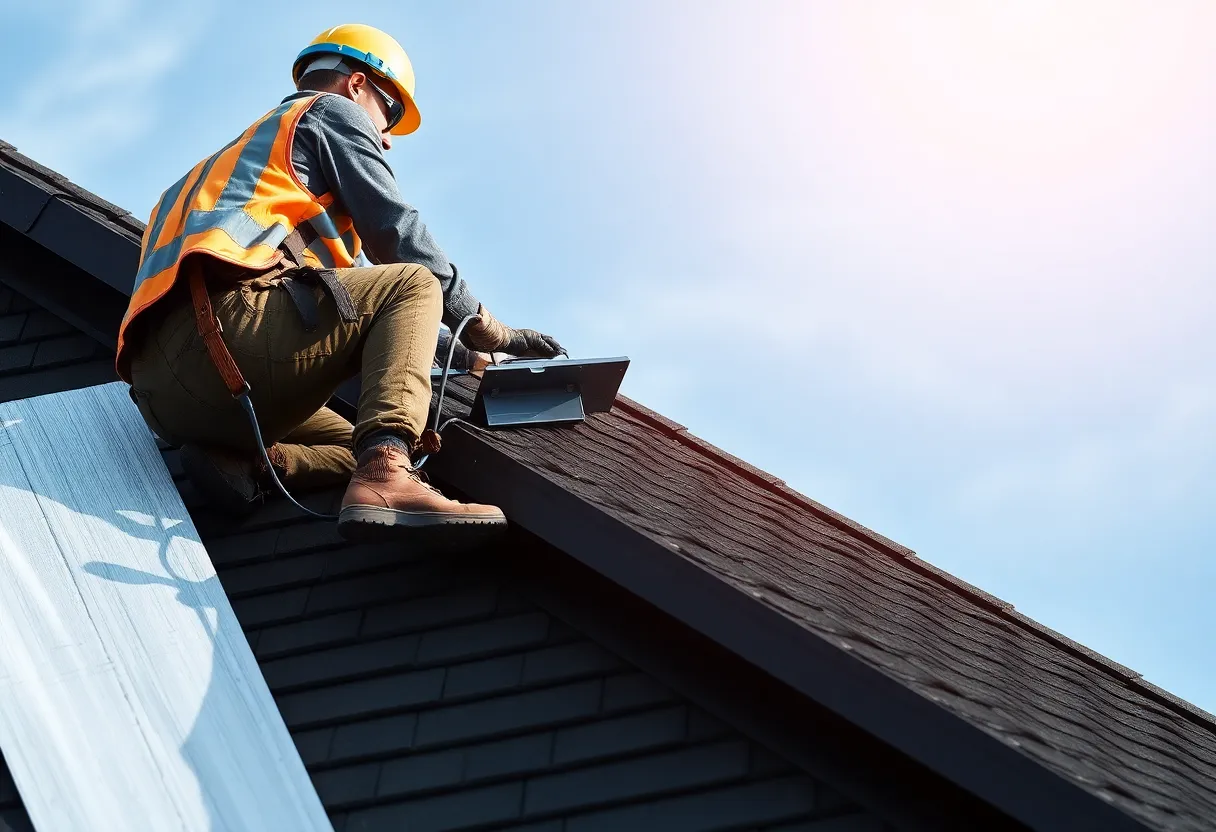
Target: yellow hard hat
382,55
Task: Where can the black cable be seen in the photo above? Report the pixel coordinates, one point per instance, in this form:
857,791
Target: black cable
443,386
257,433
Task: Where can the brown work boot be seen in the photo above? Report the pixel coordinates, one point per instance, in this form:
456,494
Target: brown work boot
232,482
388,500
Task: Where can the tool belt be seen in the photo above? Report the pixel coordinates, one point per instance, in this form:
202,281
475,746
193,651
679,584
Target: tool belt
299,280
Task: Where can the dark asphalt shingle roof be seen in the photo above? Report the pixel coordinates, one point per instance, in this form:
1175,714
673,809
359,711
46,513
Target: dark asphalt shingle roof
1084,717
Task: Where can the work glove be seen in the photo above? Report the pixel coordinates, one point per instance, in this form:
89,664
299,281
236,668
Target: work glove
488,334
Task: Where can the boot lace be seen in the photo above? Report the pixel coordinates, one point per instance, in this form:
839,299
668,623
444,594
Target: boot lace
421,478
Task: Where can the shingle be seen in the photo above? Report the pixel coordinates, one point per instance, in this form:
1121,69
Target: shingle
568,660
10,328
71,377
508,713
560,632
499,674
267,609
17,357
315,632
510,601
341,662
518,755
453,811
8,789
42,324
361,698
367,590
374,736
341,786
18,302
638,732
173,461
738,807
766,764
703,726
631,779
470,640
15,820
305,537
278,513
62,350
632,691
234,549
313,745
421,772
857,822
432,611
276,574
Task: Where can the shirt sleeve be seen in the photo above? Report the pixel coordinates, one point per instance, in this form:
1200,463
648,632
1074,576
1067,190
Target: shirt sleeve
463,358
337,150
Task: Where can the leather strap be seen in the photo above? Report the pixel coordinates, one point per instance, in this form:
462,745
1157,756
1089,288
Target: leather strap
299,287
209,327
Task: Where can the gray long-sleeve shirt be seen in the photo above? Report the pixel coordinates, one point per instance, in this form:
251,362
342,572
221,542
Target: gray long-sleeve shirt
337,150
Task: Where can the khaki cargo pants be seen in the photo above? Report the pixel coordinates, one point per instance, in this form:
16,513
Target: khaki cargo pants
292,371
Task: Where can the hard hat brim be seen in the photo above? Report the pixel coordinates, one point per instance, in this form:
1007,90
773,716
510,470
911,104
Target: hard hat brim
411,119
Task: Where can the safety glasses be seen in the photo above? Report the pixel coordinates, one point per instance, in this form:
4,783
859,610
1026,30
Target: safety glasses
393,108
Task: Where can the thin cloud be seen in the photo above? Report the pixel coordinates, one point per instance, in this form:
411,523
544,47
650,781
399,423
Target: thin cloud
73,114
1161,460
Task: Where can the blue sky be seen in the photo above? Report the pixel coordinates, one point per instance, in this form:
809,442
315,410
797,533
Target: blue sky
945,267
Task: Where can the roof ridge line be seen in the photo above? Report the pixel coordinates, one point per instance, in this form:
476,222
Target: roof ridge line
1007,611
70,192
766,480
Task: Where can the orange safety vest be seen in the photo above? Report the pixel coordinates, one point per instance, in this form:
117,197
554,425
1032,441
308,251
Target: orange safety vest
237,206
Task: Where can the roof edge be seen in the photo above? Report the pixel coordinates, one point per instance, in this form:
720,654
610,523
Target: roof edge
1007,611
819,668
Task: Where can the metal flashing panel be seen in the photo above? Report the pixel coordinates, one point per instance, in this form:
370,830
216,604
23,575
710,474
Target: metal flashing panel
545,392
129,697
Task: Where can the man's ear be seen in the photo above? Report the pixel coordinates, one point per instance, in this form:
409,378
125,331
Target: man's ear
354,83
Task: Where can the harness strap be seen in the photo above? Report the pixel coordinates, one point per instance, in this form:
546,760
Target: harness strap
342,298
299,289
294,244
209,328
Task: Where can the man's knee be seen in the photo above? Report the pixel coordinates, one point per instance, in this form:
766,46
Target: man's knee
418,280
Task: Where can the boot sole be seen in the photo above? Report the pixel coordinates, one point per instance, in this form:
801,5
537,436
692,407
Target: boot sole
438,530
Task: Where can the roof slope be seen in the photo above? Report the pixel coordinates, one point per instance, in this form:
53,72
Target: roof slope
852,599
1082,716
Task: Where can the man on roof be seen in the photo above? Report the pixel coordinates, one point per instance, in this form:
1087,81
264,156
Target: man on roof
256,273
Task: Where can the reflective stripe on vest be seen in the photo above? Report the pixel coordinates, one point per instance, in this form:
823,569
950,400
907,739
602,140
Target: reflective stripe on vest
237,206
